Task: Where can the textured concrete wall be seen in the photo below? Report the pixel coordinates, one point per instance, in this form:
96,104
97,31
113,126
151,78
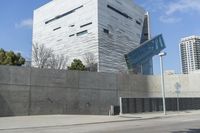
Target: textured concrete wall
30,91
124,33
188,85
14,91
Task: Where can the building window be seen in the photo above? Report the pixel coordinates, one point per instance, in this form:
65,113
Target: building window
71,35
139,23
82,33
62,15
72,25
85,25
56,28
106,31
119,12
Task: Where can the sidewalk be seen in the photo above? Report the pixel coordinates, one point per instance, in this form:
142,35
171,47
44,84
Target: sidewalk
70,120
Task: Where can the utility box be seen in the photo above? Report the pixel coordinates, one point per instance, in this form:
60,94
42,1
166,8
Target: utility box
114,110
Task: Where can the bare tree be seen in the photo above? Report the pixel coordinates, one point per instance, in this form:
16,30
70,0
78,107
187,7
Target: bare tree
90,61
58,62
89,58
43,57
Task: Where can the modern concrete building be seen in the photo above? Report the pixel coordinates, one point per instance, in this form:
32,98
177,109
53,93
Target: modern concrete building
108,29
190,53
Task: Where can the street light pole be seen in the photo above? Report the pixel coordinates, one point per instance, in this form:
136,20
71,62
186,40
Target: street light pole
162,80
177,86
120,106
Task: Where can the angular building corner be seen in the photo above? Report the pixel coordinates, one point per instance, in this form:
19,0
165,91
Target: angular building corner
109,29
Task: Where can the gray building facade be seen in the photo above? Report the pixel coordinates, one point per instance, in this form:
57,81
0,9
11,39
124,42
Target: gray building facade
108,29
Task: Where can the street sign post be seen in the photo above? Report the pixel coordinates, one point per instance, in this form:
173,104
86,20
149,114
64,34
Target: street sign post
177,87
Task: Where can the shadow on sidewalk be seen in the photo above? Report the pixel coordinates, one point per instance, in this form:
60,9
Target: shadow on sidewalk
189,131
129,117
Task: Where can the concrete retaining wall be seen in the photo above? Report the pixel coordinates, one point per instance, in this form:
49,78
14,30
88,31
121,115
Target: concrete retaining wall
30,91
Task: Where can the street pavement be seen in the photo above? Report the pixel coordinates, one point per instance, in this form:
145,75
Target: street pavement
183,122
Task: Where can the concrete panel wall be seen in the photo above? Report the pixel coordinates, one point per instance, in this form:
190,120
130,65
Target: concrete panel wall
14,91
30,91
188,85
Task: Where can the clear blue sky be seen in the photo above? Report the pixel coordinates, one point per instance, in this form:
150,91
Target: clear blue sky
16,24
173,18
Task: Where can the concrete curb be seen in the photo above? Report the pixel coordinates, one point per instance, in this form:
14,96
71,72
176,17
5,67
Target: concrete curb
93,123
80,124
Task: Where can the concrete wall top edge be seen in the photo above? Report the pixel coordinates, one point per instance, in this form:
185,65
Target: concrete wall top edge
124,84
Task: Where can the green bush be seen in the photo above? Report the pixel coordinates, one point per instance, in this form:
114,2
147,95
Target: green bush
10,58
77,65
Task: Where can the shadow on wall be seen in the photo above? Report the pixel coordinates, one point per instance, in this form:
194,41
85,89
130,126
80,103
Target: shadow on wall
189,131
5,110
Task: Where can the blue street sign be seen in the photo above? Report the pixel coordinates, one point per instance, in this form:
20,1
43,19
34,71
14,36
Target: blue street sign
145,51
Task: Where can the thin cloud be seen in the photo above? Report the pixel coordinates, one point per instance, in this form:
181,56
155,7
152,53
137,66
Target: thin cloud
154,5
183,6
26,23
169,19
168,10
180,6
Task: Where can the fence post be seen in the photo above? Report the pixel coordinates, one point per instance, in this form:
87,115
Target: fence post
120,106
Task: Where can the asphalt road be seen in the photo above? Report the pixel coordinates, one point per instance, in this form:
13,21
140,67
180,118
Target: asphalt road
179,124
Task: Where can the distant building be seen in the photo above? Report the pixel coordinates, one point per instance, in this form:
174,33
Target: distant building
190,54
108,29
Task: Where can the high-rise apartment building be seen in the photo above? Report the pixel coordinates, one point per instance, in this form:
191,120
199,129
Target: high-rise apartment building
108,29
190,54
